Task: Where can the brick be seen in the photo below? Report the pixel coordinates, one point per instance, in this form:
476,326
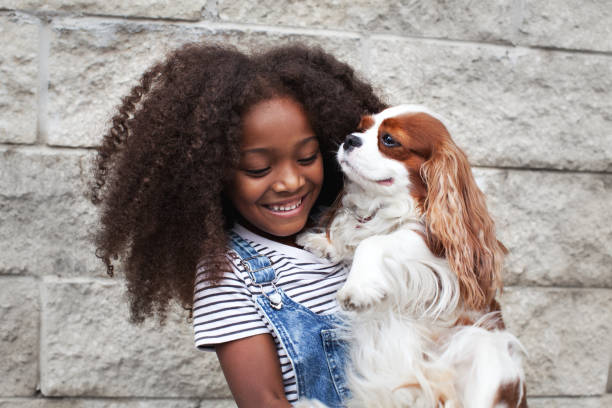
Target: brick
552,223
183,10
46,220
560,24
90,349
93,64
509,107
484,21
566,333
19,322
19,73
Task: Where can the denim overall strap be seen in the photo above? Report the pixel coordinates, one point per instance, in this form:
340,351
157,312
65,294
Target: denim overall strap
311,341
258,266
259,269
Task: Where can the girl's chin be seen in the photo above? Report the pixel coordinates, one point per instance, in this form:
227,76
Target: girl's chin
287,229
284,233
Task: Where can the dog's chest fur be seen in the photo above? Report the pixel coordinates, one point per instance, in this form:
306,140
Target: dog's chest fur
363,215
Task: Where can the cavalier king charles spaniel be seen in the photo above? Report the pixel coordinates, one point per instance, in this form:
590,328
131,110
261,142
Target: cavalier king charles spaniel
425,329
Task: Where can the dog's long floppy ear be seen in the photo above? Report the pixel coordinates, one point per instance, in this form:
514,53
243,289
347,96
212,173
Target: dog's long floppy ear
457,217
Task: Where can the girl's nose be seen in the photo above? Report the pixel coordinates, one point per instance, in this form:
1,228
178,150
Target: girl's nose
290,179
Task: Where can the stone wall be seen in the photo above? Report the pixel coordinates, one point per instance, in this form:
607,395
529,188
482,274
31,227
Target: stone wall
525,85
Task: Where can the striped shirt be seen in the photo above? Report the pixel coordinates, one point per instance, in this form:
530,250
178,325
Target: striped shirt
227,312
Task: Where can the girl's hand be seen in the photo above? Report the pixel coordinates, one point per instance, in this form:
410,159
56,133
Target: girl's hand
252,371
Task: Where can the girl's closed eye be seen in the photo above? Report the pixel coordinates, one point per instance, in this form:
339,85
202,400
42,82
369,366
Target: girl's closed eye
260,171
255,164
309,159
257,172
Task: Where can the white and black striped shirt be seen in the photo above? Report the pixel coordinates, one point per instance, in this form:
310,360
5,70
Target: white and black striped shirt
227,312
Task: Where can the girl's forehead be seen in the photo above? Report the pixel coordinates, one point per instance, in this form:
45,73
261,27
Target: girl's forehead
273,123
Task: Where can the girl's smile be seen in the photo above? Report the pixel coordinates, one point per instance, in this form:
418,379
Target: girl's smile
280,173
287,208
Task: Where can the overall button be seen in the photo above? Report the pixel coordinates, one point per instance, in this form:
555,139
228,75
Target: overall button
275,300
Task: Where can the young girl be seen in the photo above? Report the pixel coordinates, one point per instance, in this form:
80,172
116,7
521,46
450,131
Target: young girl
213,164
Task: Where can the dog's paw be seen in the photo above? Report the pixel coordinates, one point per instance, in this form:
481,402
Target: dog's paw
317,243
360,297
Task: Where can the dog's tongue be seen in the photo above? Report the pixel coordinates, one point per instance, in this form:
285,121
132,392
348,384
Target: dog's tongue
385,182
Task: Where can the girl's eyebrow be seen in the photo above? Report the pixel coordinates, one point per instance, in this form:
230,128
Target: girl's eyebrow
265,149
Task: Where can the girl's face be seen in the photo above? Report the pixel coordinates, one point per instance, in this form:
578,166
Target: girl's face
280,173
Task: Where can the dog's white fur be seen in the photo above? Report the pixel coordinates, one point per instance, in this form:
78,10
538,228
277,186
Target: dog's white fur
402,301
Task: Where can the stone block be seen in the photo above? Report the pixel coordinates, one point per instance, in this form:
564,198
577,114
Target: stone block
566,333
19,322
180,10
604,401
46,220
553,224
609,387
218,404
508,107
561,24
93,64
90,349
19,73
485,21
97,403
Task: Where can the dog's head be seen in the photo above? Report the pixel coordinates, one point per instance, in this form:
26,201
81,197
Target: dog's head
406,153
388,150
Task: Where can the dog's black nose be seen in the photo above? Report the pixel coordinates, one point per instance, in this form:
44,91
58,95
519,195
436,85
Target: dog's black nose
351,142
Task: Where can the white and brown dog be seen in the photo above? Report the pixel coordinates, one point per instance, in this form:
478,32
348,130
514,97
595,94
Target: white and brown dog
425,327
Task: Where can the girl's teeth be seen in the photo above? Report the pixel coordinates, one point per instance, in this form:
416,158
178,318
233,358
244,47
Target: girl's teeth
285,208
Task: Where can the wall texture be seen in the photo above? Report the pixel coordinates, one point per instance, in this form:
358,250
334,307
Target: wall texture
525,85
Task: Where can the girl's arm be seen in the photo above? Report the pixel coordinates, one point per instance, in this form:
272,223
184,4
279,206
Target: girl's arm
252,371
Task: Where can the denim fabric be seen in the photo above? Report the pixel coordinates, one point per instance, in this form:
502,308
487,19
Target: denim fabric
258,266
316,352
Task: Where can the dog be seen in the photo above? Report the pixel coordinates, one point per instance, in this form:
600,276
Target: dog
425,328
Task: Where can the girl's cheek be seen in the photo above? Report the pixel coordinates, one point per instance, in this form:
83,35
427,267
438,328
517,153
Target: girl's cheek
247,188
317,173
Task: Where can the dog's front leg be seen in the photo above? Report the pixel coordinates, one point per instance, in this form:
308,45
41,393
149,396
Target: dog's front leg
366,284
384,262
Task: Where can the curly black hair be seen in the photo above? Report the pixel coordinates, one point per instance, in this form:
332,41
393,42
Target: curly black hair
160,172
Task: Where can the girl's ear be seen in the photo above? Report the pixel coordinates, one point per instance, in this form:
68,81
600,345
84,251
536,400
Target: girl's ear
457,220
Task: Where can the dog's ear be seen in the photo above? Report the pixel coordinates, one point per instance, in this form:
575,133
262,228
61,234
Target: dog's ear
458,220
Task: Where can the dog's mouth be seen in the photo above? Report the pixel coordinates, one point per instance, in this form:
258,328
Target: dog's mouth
383,182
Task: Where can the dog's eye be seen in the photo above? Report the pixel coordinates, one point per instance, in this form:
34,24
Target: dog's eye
389,141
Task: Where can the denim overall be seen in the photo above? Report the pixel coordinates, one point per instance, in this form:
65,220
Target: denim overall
311,341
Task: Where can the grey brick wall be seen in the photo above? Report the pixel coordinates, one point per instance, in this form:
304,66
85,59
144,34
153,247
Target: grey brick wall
525,85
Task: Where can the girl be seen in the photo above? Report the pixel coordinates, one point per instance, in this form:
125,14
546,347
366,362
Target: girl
212,165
